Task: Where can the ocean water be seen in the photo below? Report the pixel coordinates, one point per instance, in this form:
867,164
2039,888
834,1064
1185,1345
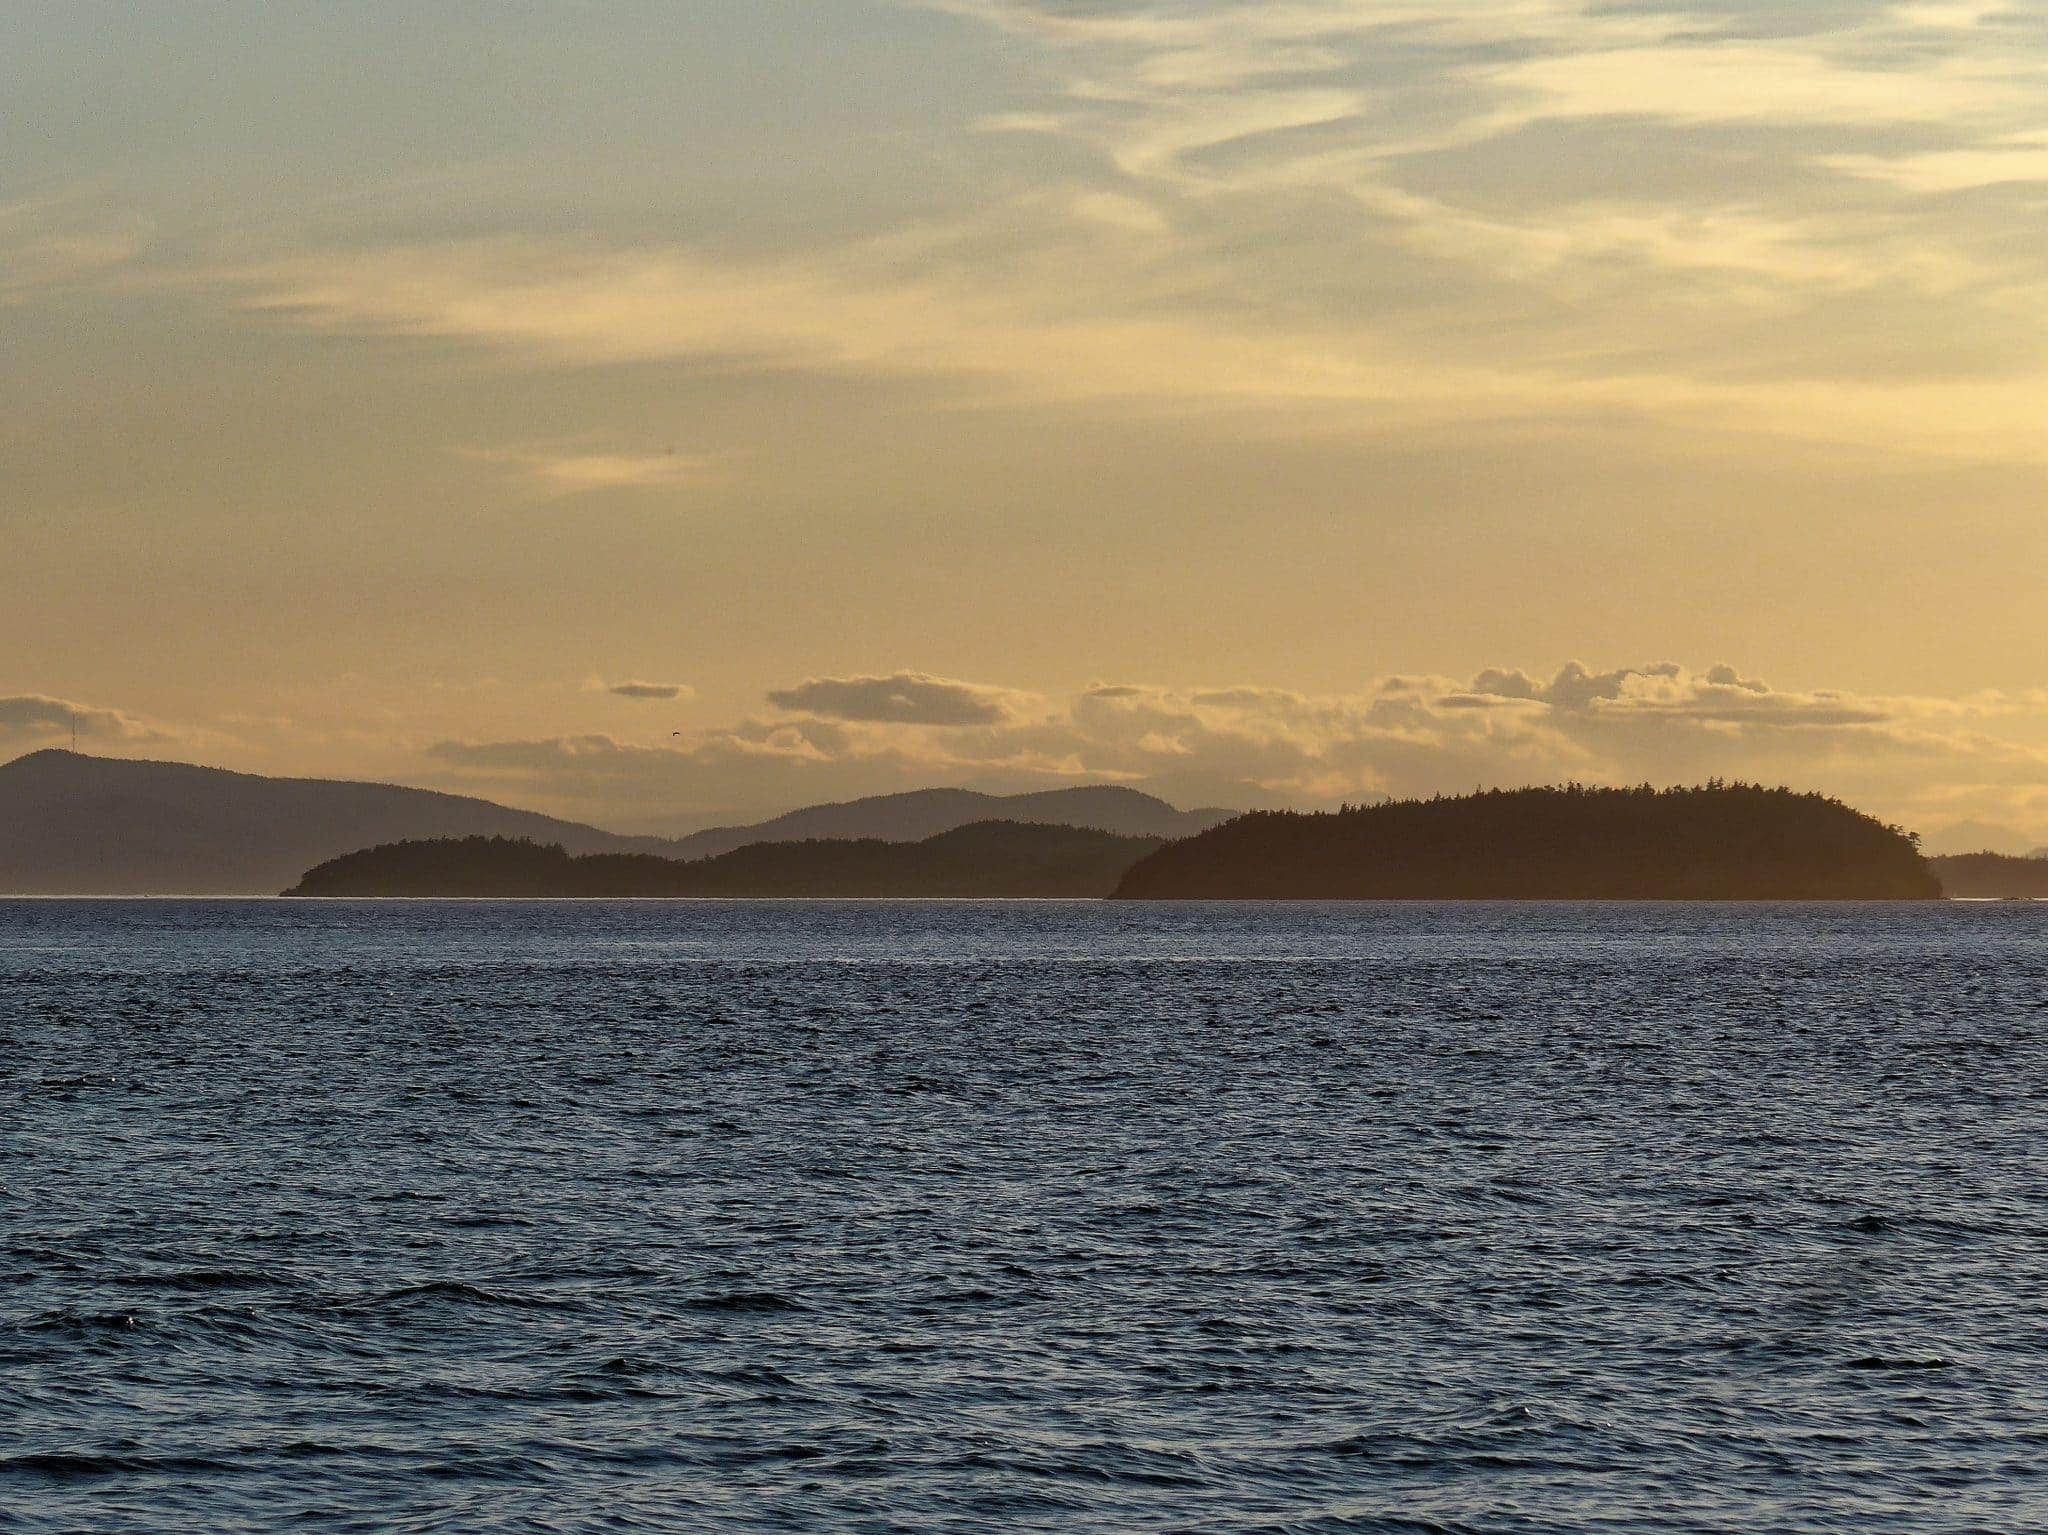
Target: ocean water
1015,1217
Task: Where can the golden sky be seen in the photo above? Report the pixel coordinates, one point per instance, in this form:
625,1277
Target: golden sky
1268,402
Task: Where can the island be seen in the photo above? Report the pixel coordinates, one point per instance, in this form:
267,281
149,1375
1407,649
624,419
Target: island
1719,841
983,860
1993,876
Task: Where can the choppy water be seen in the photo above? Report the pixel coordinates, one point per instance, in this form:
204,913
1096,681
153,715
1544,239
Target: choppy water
411,1217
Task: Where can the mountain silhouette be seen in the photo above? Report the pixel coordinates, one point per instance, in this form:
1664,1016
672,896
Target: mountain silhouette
1718,842
72,824
923,813
986,859
78,825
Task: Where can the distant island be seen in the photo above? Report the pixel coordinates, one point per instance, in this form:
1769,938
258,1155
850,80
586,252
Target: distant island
1993,876
1727,842
987,860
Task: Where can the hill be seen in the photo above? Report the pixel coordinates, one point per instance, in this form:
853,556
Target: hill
988,859
1720,842
78,825
1992,876
923,813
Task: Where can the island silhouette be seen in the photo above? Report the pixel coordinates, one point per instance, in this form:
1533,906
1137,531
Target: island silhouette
1715,842
1719,841
989,859
1993,876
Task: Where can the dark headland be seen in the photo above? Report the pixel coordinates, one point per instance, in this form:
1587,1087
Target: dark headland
988,860
1719,842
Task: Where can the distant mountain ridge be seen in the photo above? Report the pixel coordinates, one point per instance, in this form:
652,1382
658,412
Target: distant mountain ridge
923,813
78,825
72,824
985,860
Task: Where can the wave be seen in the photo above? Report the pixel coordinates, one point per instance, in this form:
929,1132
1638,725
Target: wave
744,1301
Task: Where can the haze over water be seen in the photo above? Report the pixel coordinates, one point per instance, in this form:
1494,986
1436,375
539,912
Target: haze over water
951,1217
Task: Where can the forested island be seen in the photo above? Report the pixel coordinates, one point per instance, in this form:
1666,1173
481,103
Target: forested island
1993,876
1725,842
989,859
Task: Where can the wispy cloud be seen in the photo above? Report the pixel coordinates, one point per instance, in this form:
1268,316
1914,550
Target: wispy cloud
1597,182
1363,215
555,472
1748,82
1034,334
53,242
2018,158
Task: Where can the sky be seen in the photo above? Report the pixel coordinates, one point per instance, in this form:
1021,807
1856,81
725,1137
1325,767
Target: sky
667,414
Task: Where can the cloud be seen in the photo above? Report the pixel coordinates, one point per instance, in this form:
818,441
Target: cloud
568,473
57,242
860,312
1919,760
540,755
1342,215
649,690
1725,676
906,698
1673,61
1576,688
2020,159
1746,82
1602,182
1112,210
1313,217
39,715
1024,330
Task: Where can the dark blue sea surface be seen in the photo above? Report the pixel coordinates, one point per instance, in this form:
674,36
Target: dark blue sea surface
1003,1217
